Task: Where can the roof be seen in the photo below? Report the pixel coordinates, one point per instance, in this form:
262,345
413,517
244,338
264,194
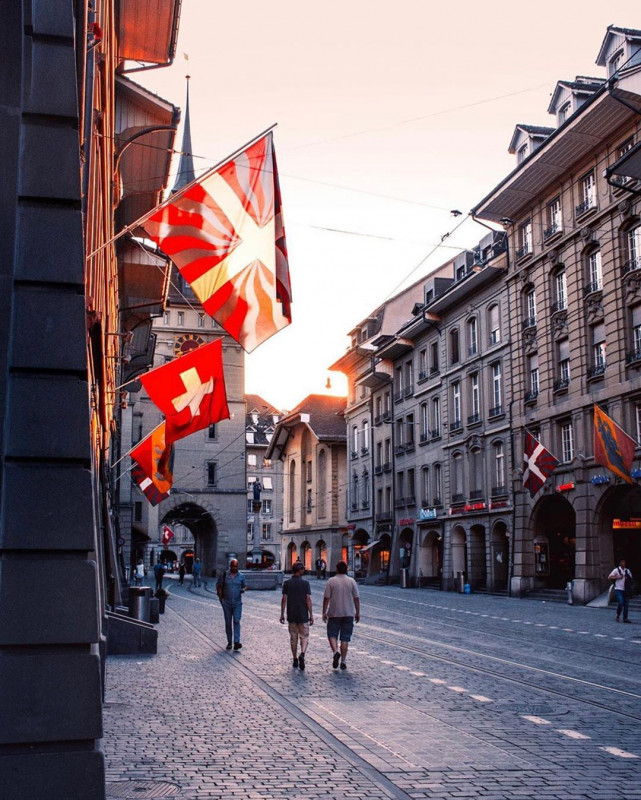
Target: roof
535,131
322,414
581,85
632,33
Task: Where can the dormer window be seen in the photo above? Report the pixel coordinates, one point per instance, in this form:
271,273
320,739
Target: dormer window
522,153
564,112
615,62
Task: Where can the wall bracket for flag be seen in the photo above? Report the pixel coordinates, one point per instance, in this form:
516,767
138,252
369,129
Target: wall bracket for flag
133,225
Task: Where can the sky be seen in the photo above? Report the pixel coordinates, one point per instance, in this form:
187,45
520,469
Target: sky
389,116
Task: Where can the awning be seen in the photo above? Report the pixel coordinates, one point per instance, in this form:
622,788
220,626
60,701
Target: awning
369,546
629,165
148,30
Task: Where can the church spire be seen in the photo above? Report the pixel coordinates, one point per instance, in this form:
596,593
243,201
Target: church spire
186,163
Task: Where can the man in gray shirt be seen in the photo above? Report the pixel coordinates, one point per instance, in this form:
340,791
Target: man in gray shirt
341,608
297,598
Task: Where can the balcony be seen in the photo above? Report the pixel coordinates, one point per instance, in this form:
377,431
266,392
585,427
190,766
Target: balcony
592,287
438,502
474,419
422,376
528,322
387,415
423,437
408,391
365,505
631,265
560,305
364,450
456,426
633,357
596,371
378,419
398,396
472,350
524,251
498,491
476,494
354,454
378,469
561,385
495,412
434,371
384,516
495,337
458,498
399,502
354,506
387,466
551,232
399,449
587,205
530,397
410,501
435,433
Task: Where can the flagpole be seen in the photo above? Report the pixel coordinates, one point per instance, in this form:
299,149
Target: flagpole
171,198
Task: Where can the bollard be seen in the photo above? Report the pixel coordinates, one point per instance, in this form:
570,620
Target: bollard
568,589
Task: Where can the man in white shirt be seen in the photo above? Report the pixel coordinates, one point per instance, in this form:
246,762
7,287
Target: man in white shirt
622,578
341,608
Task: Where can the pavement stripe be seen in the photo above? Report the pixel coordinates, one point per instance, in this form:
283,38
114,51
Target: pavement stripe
481,698
615,751
458,689
572,734
536,720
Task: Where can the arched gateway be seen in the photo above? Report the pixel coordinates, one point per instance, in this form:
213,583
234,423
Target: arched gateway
202,526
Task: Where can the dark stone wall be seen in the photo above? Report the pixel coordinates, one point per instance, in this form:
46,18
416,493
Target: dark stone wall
50,668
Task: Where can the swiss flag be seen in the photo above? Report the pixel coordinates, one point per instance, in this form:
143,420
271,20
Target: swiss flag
167,534
190,391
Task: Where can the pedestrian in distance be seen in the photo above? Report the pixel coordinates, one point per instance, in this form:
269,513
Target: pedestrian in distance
159,571
318,566
297,599
181,573
139,572
230,588
341,609
197,571
622,578
323,569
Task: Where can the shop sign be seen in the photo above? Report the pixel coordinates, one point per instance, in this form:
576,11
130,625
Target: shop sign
427,513
619,524
474,507
565,487
406,521
598,480
498,504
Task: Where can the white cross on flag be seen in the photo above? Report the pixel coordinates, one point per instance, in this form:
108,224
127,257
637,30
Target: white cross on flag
225,234
190,391
539,464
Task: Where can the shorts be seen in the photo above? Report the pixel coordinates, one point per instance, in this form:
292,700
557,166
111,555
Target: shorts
298,630
340,627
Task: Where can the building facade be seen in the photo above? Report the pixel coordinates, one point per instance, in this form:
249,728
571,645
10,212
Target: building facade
310,443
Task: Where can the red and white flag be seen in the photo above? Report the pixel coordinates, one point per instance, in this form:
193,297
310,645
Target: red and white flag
152,469
225,234
167,534
190,391
539,464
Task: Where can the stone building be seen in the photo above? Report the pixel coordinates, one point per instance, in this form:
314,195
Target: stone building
574,232
264,527
310,442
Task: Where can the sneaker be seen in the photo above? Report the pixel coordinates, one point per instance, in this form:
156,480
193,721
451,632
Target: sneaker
295,663
343,665
629,621
228,646
301,661
237,646
337,658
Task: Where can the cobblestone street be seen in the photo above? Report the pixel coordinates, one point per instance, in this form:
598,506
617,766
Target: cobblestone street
445,696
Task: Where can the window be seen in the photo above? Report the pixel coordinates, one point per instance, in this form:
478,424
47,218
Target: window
425,486
211,473
476,474
388,451
398,383
267,506
309,501
522,153
564,364
250,506
454,348
308,471
434,358
436,417
321,473
379,407
409,431
424,423
530,305
211,431
165,318
493,319
499,467
524,239
410,491
567,445
354,441
621,151
201,321
422,364
560,290
587,189
400,487
533,369
365,493
365,436
379,455
267,483
598,349
292,491
496,389
636,334
472,336
438,485
553,218
456,403
637,411
251,459
137,511
267,531
633,241
475,400
408,383
457,478
615,62
595,273
564,112
181,317
400,433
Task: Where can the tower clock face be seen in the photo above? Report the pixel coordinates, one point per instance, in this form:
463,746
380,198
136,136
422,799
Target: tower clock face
187,342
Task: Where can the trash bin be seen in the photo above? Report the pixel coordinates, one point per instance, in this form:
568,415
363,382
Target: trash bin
467,589
460,582
568,589
405,578
139,605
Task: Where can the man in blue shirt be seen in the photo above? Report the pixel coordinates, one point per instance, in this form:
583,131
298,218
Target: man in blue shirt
230,587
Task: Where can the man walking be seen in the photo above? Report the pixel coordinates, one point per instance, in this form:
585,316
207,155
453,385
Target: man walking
341,608
159,571
622,578
196,571
297,597
229,588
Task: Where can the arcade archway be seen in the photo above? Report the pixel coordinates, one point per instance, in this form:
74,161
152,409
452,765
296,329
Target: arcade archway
554,542
619,520
202,526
